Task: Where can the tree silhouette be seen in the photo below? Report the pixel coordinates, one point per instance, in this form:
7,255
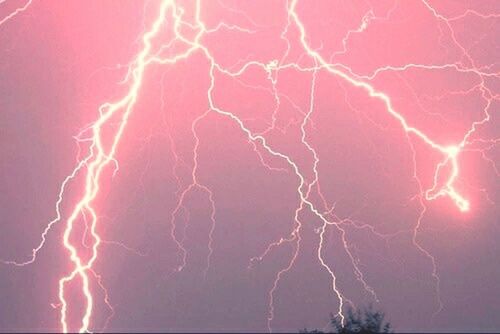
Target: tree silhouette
363,321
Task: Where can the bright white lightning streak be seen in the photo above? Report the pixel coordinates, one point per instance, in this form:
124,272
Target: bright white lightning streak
99,156
15,12
98,159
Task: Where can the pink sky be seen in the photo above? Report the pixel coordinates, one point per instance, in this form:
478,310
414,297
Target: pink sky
193,200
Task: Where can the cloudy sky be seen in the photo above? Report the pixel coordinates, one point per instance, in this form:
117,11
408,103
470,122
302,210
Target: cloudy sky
248,166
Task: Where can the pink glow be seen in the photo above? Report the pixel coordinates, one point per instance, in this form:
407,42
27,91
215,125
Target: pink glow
233,165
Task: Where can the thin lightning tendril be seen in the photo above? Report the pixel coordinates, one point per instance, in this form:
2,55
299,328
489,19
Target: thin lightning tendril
15,12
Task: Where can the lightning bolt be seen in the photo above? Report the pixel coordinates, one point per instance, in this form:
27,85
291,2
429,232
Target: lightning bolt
102,153
15,12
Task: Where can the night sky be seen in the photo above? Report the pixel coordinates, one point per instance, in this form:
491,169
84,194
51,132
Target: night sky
233,165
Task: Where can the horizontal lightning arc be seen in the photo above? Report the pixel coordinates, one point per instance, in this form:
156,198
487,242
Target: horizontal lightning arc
450,152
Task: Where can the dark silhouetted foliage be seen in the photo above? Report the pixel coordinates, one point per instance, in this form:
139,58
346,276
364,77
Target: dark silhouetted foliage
363,321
